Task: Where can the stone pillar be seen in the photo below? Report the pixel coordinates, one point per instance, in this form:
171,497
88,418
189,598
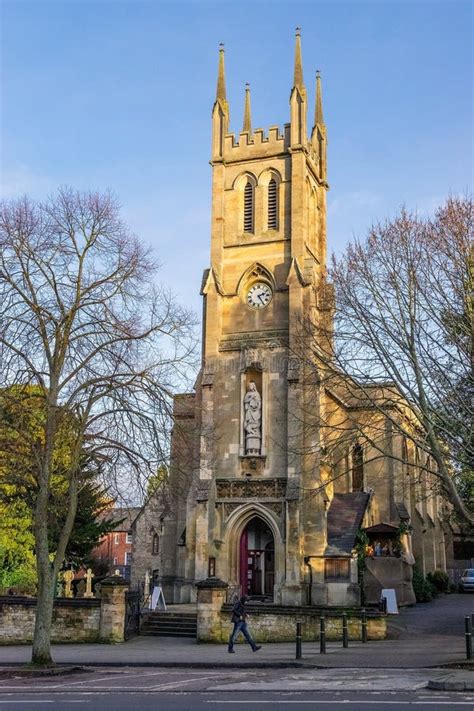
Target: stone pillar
211,595
112,609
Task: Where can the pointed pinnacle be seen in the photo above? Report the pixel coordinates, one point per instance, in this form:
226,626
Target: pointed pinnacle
318,110
247,116
298,76
220,93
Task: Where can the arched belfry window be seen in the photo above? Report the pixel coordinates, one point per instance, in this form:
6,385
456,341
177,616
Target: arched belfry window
357,468
272,205
248,207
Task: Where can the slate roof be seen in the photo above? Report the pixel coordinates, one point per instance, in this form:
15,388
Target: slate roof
123,517
344,519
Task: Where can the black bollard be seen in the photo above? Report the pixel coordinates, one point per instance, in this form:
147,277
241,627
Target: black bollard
322,635
298,641
345,635
468,635
364,626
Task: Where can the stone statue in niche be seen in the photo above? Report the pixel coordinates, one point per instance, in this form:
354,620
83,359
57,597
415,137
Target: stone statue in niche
253,420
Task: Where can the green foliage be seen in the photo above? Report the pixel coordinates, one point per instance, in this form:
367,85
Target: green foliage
17,562
439,579
157,481
361,543
21,434
424,590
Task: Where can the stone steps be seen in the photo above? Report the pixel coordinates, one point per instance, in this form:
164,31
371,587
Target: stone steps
169,624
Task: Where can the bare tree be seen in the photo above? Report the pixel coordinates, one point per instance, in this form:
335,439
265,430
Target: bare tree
82,321
399,353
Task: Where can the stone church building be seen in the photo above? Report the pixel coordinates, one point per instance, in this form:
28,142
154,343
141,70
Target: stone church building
255,499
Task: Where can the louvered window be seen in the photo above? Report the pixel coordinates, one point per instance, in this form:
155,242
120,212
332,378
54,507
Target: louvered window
272,205
248,207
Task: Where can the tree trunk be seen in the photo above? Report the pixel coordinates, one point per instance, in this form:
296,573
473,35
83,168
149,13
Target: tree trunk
41,654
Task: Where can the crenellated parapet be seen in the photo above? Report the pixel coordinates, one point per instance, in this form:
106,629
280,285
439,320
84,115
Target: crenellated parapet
257,144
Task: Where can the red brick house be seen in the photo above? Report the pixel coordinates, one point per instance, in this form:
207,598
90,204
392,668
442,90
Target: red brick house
115,549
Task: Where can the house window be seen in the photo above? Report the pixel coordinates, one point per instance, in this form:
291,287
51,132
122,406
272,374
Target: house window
128,558
357,468
272,205
117,539
129,538
155,544
115,561
248,206
337,570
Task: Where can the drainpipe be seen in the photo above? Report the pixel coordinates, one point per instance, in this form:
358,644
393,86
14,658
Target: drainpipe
307,558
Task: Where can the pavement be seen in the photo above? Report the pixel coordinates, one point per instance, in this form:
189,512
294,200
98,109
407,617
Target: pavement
423,639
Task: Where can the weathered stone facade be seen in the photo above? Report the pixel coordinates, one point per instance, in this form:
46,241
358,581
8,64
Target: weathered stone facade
147,548
259,520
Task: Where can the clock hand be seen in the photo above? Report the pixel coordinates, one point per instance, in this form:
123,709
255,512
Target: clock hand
261,299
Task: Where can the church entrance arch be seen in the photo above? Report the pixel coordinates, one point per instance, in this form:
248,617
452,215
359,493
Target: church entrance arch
257,559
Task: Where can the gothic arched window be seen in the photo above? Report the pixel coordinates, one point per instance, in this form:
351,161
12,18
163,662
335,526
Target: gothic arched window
248,206
272,205
357,468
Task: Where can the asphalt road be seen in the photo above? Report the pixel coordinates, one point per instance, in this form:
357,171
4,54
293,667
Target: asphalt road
126,680
195,701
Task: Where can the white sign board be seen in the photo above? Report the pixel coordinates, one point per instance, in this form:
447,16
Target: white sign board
391,598
157,599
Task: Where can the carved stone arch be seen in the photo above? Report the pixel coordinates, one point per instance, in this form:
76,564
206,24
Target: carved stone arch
245,185
241,180
256,272
267,174
234,527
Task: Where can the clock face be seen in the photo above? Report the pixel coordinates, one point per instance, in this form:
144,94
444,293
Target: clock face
259,295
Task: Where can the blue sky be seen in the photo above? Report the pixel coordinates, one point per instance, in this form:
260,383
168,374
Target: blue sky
118,94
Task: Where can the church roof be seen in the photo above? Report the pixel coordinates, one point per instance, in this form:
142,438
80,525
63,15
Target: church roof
344,519
382,528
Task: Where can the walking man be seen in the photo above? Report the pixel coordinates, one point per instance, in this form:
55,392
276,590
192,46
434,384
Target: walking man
239,617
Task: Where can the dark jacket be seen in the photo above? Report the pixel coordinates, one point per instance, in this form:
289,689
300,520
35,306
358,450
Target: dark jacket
238,612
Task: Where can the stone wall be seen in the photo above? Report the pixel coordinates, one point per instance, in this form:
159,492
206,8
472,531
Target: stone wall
73,620
385,573
274,623
280,625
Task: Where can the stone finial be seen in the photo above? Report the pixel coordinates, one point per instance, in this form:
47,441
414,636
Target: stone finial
298,73
221,91
247,125
212,583
318,109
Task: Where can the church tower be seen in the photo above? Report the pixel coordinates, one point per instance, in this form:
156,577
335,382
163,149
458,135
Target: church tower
255,511
275,467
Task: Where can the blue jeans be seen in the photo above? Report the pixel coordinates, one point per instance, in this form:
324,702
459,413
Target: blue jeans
241,626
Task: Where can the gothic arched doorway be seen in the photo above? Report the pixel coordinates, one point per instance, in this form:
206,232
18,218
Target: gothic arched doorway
257,559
